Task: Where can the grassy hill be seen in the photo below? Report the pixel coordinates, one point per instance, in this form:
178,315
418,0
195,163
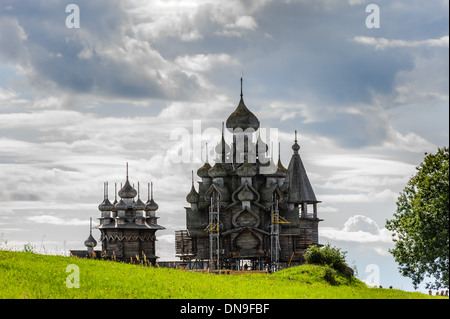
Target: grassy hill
28,275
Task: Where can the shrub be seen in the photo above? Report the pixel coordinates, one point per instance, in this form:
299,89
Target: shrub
329,276
28,248
327,255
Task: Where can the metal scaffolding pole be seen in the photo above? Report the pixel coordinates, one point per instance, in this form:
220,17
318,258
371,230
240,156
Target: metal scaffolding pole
274,237
214,232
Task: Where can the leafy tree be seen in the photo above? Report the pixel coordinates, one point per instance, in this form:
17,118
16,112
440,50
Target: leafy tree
420,225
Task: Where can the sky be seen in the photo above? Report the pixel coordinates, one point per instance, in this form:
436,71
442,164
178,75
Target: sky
76,104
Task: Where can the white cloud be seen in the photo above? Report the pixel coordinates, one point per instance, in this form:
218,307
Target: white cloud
288,111
41,120
410,142
12,38
359,229
361,223
427,81
239,26
54,220
205,62
383,43
328,209
386,195
356,2
10,98
365,164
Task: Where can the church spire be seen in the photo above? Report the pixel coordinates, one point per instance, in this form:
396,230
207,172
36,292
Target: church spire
295,147
299,187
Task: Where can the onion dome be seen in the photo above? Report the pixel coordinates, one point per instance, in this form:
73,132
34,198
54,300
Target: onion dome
106,205
127,191
246,194
246,170
242,117
150,205
218,170
121,205
193,196
138,205
90,242
203,171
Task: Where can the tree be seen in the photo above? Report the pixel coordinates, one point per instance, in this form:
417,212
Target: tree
420,225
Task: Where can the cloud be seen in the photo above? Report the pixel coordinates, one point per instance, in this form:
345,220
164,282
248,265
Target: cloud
361,178
10,98
361,164
205,62
239,27
13,39
382,43
361,223
54,220
428,81
386,195
102,58
358,229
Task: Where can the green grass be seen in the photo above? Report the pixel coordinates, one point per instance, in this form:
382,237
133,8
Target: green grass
28,275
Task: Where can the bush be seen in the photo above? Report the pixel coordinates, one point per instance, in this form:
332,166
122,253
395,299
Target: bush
28,248
329,276
327,255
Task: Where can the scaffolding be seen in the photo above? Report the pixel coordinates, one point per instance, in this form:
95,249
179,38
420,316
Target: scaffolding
214,232
275,247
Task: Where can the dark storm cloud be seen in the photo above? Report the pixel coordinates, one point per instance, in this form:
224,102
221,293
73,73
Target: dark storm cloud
100,57
311,54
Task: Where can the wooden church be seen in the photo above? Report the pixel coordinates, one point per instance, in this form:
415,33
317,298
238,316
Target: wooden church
249,209
128,225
